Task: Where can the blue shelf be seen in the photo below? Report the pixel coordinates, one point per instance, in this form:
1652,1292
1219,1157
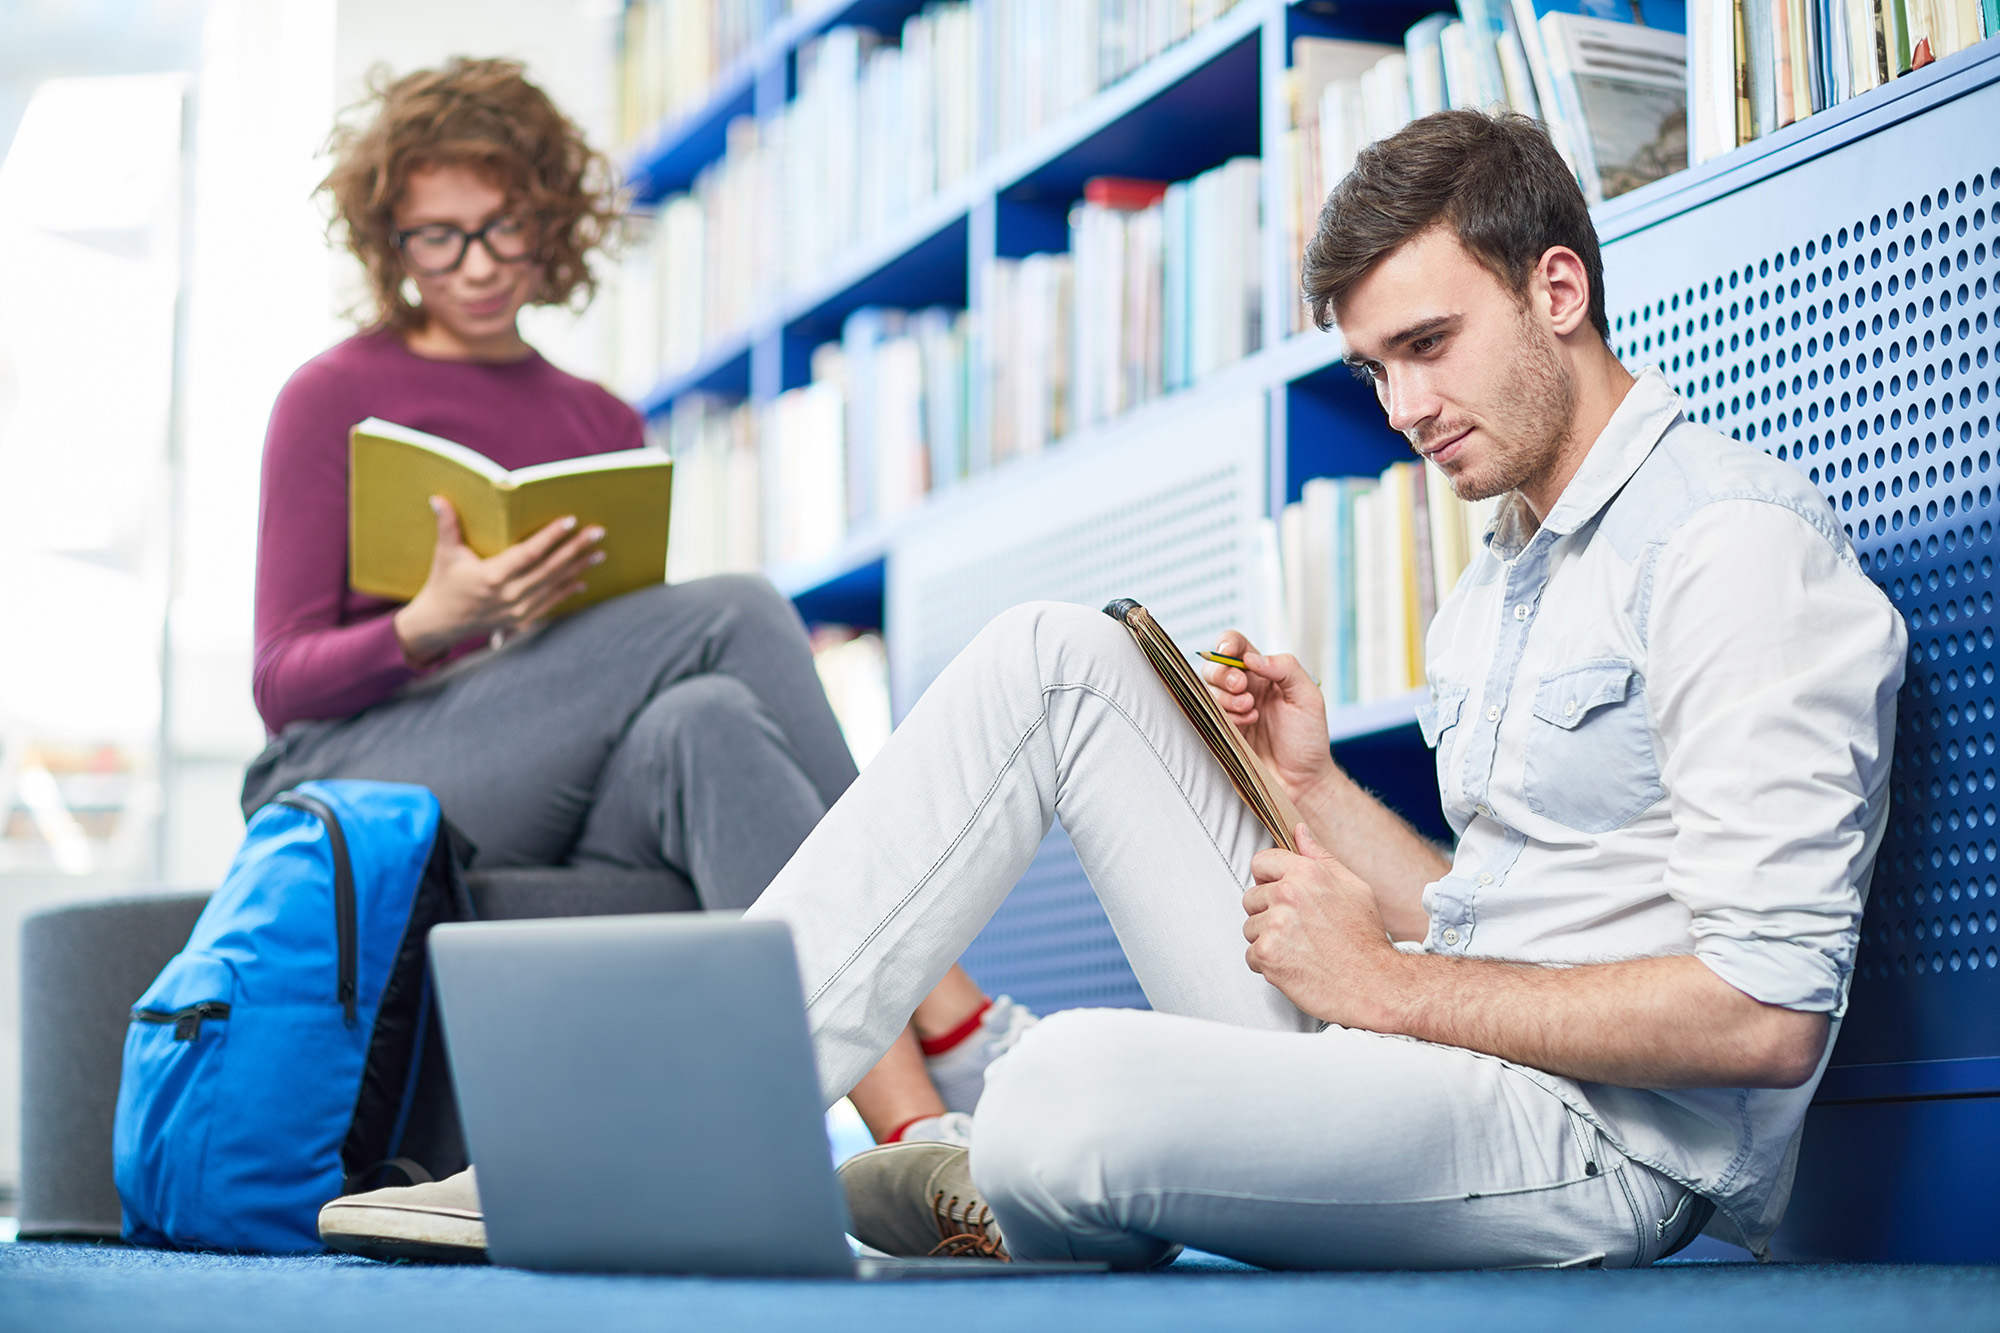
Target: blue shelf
725,371
923,263
1192,108
1972,1077
1372,21
669,162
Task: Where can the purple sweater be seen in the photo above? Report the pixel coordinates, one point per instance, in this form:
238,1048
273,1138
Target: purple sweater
324,650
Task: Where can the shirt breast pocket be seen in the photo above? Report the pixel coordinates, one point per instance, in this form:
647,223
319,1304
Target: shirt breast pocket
1439,713
1590,762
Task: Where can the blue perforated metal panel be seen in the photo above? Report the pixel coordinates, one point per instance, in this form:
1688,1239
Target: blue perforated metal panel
1842,317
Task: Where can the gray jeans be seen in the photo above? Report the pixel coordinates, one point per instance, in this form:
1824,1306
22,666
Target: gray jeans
682,726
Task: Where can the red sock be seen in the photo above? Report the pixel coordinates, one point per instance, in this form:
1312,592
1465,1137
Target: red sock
936,1046
896,1135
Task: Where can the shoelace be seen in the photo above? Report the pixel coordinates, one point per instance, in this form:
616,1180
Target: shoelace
965,1233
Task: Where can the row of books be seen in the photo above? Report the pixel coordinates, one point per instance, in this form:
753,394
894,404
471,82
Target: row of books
1363,563
717,521
671,54
1052,55
883,422
1162,286
1760,65
876,129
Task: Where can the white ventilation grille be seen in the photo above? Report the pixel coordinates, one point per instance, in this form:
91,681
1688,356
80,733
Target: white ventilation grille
1166,513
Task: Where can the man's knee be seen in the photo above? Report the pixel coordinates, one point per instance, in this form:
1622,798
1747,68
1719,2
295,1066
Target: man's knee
1061,1111
1050,632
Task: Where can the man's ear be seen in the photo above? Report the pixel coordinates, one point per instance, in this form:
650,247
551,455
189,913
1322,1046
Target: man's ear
1566,285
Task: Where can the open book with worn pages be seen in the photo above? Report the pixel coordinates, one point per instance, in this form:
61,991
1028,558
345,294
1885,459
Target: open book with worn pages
1255,783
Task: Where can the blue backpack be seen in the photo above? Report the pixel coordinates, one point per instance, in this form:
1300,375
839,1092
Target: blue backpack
271,1066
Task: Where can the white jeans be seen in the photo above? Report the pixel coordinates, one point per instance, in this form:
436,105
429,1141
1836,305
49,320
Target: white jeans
1223,1120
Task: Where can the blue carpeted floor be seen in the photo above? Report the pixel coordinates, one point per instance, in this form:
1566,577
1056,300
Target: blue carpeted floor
56,1288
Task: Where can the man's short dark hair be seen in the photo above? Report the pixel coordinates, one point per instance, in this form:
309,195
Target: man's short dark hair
1496,181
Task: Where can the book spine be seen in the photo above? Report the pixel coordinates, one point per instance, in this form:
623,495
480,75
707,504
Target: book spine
1423,561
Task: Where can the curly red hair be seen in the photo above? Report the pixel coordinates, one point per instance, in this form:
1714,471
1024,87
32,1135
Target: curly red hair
482,114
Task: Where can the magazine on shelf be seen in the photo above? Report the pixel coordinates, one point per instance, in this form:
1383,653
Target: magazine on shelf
1624,89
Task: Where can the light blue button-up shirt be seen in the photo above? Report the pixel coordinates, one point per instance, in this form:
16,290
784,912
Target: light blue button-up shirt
1663,722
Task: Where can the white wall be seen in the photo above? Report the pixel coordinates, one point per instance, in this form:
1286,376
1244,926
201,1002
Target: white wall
258,306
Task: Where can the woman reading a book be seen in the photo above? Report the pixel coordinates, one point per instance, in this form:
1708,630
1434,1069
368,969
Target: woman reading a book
677,726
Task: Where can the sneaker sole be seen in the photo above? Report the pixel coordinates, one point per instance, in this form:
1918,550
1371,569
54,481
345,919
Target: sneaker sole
452,1239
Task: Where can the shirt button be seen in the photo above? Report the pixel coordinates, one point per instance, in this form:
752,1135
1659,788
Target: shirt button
1484,810
1493,713
1521,611
1486,879
1569,709
1450,937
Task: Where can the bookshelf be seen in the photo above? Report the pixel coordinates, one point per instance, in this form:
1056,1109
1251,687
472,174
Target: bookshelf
1213,95
1159,502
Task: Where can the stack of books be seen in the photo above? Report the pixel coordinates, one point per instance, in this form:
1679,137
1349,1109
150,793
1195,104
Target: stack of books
671,53
717,506
1052,55
876,129
882,424
1162,286
1364,563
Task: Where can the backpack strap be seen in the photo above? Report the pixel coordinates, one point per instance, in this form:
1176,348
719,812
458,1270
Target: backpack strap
344,911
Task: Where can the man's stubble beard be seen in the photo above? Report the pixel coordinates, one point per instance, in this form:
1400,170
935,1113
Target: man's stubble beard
1531,421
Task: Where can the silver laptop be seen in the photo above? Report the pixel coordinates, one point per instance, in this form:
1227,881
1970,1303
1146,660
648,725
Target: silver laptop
639,1095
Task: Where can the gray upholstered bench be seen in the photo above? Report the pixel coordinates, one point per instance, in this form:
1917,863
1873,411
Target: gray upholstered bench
83,966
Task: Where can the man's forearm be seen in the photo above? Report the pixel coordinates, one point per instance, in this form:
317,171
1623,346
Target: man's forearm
1376,843
1648,1023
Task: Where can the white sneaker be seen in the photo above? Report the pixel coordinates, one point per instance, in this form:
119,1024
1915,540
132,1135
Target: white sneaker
960,1073
953,1128
439,1222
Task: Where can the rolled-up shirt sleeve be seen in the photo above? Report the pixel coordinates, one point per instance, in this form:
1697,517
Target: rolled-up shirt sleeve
1773,670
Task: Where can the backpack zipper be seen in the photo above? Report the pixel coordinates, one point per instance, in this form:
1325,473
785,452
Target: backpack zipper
343,895
187,1022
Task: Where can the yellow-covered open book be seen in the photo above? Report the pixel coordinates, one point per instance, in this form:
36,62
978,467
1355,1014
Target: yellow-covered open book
393,471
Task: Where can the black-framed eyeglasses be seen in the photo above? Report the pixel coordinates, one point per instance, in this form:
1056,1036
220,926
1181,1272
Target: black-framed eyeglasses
438,248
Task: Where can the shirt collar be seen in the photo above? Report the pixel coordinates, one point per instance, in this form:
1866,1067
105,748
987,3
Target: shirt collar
1649,407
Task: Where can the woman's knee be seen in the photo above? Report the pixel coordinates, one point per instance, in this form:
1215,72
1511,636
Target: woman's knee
706,713
751,598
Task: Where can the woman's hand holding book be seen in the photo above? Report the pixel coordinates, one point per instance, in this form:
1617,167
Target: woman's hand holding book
466,596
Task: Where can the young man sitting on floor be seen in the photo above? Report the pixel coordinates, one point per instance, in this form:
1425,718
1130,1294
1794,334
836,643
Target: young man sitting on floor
1662,700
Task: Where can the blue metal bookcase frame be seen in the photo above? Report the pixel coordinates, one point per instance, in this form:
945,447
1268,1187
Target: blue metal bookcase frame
1745,279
